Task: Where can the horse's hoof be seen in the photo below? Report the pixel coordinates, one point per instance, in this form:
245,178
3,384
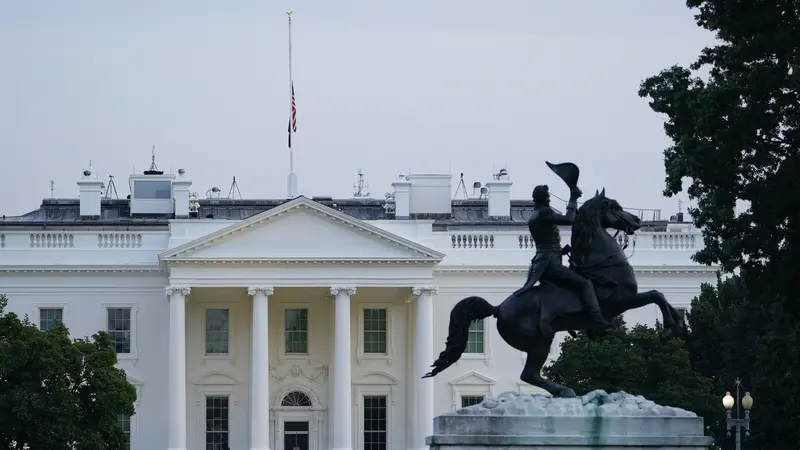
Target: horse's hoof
567,393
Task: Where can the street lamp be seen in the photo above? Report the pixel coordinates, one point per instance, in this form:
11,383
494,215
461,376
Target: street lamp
747,402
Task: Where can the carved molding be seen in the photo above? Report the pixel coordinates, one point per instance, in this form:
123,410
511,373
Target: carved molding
266,290
183,290
298,372
336,290
430,290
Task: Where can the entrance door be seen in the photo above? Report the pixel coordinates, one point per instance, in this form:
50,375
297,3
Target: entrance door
295,436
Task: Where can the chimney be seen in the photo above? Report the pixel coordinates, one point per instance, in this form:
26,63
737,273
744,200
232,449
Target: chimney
180,194
499,193
90,193
402,198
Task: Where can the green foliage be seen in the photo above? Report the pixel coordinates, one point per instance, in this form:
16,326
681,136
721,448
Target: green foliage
746,114
635,361
733,119
734,335
56,393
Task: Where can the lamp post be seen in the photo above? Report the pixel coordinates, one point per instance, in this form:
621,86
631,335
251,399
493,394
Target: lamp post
746,402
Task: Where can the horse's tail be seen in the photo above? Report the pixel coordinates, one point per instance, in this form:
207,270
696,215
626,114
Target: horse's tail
461,317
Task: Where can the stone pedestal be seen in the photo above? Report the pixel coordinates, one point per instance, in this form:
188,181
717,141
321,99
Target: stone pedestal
597,420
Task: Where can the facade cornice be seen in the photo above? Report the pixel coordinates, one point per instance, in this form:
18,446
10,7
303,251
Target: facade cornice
517,270
82,269
297,261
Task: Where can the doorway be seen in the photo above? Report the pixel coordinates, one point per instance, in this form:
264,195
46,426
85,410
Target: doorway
295,436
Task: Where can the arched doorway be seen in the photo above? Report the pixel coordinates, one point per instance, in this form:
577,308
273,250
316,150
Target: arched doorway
297,420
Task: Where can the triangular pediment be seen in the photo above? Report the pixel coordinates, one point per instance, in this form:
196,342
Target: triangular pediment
472,379
302,230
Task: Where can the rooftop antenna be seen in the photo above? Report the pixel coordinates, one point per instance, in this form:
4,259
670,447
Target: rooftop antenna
111,188
153,170
52,189
461,189
360,186
234,190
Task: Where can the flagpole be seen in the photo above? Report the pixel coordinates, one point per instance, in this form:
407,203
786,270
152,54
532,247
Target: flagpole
291,181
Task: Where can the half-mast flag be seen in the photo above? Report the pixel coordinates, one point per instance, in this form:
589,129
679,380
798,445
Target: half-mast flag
292,119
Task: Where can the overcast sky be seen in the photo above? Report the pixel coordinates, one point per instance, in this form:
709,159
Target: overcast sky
428,86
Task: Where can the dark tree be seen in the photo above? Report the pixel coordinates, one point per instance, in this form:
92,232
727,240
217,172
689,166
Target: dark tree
735,136
59,394
637,362
735,335
733,120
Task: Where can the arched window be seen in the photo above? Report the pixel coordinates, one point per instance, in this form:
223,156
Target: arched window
296,398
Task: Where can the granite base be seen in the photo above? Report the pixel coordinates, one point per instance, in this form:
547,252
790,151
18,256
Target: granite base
598,420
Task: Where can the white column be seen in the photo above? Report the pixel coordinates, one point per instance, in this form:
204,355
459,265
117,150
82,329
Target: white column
342,376
259,370
177,367
423,359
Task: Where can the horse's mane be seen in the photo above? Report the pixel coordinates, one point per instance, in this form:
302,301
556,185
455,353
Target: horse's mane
587,221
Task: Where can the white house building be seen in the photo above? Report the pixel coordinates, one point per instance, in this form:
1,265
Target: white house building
301,324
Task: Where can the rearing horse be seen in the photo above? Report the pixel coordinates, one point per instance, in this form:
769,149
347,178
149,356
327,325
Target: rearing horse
528,322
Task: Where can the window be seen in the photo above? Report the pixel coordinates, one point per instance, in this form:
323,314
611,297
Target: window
49,317
152,189
375,422
217,422
475,337
375,331
296,332
470,388
125,423
470,400
217,331
119,328
296,399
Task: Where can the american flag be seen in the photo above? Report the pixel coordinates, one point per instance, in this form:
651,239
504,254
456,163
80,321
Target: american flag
292,119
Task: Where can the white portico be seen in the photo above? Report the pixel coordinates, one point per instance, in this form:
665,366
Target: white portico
301,253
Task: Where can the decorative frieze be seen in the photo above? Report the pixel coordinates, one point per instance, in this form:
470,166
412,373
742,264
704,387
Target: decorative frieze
310,374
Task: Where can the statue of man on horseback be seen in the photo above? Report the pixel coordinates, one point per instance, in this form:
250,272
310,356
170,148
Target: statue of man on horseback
568,299
546,265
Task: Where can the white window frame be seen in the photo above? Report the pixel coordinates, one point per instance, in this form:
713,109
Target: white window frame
137,384
64,310
390,315
470,384
234,419
463,395
374,383
486,356
231,355
134,307
282,355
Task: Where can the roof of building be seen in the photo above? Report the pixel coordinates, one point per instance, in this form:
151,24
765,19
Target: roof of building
470,214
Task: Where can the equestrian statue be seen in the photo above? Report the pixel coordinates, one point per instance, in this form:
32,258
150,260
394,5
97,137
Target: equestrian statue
598,285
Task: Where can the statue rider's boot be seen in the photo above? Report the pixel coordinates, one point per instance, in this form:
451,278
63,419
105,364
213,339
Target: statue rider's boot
599,325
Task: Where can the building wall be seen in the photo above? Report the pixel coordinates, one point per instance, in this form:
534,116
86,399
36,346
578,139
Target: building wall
85,297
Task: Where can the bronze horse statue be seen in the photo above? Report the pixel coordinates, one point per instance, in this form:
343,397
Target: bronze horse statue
528,322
